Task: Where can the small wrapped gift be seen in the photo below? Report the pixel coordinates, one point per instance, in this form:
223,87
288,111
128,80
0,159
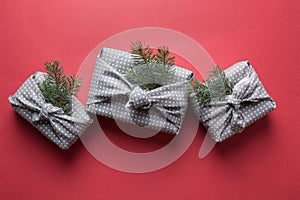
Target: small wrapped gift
247,103
51,121
112,95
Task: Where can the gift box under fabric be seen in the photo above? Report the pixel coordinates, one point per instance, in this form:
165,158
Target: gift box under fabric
51,121
248,102
111,95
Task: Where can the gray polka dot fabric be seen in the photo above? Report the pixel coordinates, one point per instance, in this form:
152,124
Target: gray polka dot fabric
248,102
51,121
111,95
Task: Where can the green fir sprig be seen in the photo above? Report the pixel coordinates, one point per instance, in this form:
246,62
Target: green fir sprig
215,88
151,69
58,88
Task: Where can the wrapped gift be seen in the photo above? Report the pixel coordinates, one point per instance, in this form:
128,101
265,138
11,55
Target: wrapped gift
111,95
247,103
51,121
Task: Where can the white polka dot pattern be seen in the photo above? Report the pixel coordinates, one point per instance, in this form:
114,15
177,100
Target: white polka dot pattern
248,102
111,95
51,121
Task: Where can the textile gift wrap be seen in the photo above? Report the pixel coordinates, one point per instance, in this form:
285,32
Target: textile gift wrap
61,129
248,102
111,95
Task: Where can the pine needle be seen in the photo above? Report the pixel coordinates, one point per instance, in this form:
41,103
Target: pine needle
57,88
215,88
151,70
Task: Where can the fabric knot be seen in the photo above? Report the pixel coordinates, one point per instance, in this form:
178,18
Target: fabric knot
234,102
139,98
45,111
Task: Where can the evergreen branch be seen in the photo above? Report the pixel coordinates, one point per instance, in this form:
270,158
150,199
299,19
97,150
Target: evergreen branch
215,88
201,90
57,88
134,78
162,57
142,55
151,70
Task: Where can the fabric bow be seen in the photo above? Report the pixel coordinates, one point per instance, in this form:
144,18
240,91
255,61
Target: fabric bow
46,111
225,114
29,97
168,99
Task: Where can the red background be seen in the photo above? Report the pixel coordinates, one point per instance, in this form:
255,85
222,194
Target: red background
261,163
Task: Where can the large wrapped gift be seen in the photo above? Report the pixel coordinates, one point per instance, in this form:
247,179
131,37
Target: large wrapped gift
247,103
111,95
51,121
